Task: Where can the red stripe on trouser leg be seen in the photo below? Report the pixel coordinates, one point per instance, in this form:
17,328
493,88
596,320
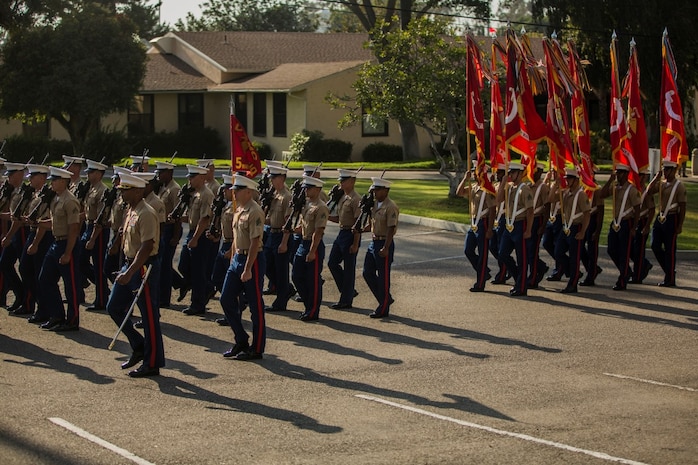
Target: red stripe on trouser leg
151,318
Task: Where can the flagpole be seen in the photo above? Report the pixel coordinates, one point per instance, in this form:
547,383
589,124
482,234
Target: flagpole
468,87
614,59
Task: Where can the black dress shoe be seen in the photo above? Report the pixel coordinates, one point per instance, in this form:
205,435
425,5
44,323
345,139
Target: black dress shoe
22,310
498,281
269,291
193,311
271,308
340,306
356,293
618,287
14,306
248,355
517,293
307,317
645,272
554,277
95,308
64,328
540,274
298,298
144,371
292,291
222,321
477,289
377,315
569,290
138,324
666,284
587,282
52,323
37,320
236,349
182,293
135,358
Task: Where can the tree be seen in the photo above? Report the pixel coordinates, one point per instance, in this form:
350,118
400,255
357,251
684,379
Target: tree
19,14
394,15
86,67
420,79
243,15
590,24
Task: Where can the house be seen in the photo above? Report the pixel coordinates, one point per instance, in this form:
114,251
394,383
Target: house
277,81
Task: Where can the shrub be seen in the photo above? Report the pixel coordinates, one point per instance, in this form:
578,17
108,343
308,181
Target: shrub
188,142
110,144
264,150
311,146
382,152
21,148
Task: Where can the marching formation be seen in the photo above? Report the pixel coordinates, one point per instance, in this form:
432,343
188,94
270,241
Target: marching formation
510,220
122,239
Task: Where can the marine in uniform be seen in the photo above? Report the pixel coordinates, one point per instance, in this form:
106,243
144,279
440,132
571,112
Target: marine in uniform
275,248
38,241
381,250
307,263
94,240
16,236
590,247
346,246
213,185
502,273
224,236
139,163
246,273
517,229
575,220
114,255
482,216
195,254
62,259
626,210
171,231
140,242
642,266
541,212
669,222
553,227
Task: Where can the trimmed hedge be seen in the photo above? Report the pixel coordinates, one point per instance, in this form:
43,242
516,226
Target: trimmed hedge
312,146
382,152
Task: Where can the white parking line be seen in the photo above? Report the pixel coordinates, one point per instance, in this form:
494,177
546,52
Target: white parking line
97,440
525,437
649,381
430,260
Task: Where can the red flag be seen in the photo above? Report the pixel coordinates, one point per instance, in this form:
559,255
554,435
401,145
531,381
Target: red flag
619,128
523,126
580,118
476,118
674,146
498,145
243,155
556,117
637,134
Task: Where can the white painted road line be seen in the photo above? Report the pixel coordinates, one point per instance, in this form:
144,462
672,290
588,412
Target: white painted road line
97,440
429,261
649,381
525,437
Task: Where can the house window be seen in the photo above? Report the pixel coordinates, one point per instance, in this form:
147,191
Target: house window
39,129
373,126
279,115
141,117
191,111
259,115
240,101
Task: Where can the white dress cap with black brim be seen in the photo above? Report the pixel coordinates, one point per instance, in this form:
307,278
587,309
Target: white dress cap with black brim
310,181
243,182
130,181
194,170
13,167
59,173
345,174
95,166
37,169
380,183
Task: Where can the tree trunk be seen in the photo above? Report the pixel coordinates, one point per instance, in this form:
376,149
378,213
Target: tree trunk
410,141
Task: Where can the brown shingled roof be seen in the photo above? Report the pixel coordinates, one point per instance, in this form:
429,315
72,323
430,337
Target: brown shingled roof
169,73
262,51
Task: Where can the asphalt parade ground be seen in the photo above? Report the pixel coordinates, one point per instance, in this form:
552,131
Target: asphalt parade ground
450,378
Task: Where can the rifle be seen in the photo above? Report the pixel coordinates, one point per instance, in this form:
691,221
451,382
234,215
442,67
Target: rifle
366,204
81,190
184,198
298,202
46,195
266,191
218,205
335,195
6,191
108,199
27,192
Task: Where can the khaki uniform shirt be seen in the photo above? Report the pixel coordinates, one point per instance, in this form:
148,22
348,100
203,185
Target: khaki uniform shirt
314,216
280,208
524,203
16,198
227,222
384,216
141,225
647,204
65,210
200,206
213,186
170,195
117,213
679,197
543,191
632,201
248,223
581,207
349,209
35,201
158,205
93,201
489,202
